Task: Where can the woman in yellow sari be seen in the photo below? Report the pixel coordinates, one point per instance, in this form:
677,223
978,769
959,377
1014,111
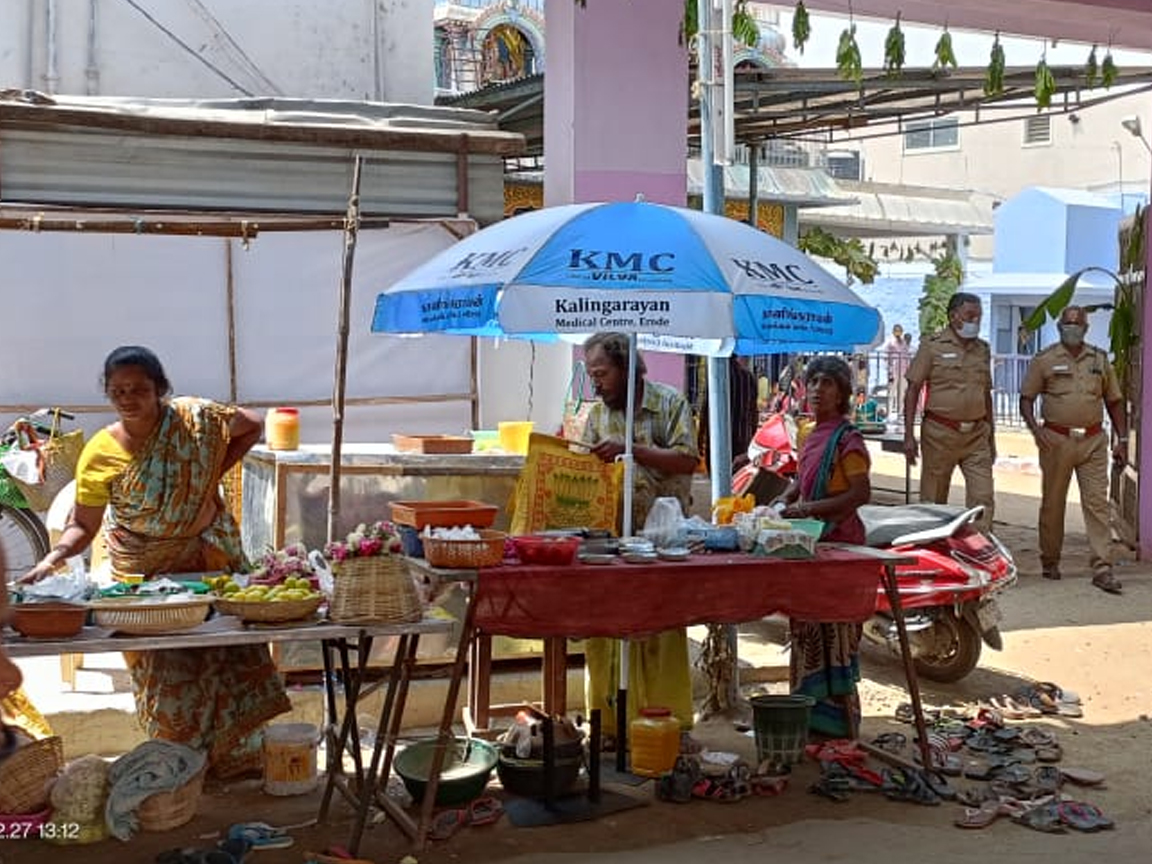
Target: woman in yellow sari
151,482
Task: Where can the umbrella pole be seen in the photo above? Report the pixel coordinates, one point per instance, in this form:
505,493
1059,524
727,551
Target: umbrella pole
629,423
351,225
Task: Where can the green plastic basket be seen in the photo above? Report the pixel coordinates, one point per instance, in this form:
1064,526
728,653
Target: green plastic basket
780,724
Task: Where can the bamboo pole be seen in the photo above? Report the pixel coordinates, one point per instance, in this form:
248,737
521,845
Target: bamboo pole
351,225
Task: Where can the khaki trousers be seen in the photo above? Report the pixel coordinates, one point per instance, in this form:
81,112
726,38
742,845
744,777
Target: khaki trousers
1088,458
941,450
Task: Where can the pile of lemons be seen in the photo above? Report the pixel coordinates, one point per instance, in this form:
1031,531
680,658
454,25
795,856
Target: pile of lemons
292,588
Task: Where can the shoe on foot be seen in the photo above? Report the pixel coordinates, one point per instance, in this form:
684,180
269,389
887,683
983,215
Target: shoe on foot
1050,573
1105,581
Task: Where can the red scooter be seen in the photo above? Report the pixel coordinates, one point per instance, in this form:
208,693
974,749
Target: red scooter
948,594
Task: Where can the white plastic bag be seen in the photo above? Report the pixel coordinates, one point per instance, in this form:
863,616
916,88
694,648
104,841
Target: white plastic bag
664,522
23,465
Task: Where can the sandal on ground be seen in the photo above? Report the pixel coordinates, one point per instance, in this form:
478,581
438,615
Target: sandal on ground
1036,738
1083,816
485,810
979,817
902,784
446,823
724,791
1044,818
767,786
260,835
1082,776
676,786
1108,583
833,788
891,742
1050,754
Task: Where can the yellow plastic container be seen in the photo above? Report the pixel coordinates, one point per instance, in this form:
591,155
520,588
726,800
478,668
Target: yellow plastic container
282,429
514,435
654,741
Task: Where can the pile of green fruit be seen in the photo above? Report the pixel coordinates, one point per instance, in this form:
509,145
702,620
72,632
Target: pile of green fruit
292,588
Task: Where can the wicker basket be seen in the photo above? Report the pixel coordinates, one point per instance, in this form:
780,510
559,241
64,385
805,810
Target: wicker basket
269,611
167,810
488,551
26,773
144,617
375,589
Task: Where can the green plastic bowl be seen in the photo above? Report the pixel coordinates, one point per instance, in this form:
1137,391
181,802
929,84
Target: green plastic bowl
468,766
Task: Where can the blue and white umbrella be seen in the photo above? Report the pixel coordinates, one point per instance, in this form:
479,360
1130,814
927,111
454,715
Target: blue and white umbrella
631,267
635,267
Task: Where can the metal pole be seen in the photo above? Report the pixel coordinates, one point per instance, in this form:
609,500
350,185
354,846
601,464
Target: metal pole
710,65
351,225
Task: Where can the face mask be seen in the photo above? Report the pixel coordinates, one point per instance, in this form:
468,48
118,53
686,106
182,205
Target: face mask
1072,335
969,329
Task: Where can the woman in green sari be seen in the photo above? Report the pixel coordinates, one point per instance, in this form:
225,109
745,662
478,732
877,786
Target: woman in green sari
151,482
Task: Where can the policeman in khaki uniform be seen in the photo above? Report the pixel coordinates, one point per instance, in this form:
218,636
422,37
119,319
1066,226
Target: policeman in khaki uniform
1076,382
957,429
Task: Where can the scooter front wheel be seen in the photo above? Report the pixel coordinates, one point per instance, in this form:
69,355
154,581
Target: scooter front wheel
953,649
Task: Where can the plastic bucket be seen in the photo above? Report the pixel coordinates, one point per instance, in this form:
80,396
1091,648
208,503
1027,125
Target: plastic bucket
514,435
780,724
290,758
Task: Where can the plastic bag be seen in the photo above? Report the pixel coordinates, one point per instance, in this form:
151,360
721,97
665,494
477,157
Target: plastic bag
23,465
665,522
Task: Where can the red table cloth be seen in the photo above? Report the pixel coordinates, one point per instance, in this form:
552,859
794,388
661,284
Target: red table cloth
621,599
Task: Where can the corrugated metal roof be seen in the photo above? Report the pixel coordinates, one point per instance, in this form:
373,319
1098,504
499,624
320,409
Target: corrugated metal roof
253,155
804,187
884,209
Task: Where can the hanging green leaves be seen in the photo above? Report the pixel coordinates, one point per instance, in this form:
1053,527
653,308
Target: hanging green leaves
1045,85
1108,70
1092,69
801,27
994,75
945,56
894,50
848,63
744,26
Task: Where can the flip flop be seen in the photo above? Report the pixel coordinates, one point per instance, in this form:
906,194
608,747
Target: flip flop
979,817
485,810
446,823
1082,776
725,792
1045,818
1037,738
260,835
1050,754
1083,816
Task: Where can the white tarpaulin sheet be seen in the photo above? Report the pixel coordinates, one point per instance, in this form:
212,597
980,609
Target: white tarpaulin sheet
66,300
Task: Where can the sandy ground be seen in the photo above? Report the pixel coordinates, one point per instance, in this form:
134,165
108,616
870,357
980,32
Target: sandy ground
1067,632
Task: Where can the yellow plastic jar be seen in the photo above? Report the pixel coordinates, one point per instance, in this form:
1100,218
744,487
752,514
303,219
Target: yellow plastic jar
282,429
654,741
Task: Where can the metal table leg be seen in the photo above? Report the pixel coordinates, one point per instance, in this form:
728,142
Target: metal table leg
337,741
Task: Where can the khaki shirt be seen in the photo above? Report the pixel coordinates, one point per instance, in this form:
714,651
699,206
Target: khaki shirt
958,375
1075,388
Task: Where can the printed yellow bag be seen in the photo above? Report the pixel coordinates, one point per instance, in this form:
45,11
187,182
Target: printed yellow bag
565,488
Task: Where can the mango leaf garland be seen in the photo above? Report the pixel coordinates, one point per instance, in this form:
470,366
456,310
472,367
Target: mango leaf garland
1108,70
945,56
994,76
1045,85
848,63
894,50
1092,68
801,27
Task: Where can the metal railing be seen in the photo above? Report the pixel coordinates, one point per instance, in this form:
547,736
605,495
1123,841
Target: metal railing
1007,375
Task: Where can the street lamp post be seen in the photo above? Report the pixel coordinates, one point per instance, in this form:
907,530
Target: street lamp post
1132,124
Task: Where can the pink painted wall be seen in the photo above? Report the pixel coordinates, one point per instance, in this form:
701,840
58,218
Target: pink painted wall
615,102
615,109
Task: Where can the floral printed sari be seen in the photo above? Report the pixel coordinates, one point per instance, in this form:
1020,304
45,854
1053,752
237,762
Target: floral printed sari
213,699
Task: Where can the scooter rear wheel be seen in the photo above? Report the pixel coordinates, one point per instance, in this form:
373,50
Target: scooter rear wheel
957,650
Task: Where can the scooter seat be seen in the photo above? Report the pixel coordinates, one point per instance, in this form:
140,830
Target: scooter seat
883,524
